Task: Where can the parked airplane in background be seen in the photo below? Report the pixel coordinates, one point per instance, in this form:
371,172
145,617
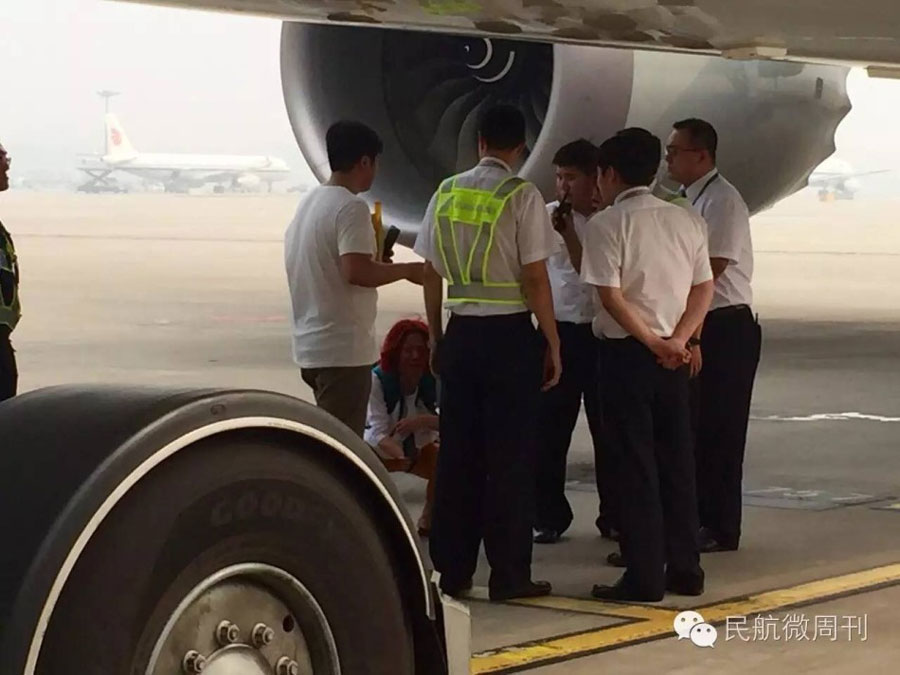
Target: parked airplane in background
836,179
177,172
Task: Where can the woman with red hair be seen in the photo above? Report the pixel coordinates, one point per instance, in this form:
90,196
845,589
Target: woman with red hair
402,419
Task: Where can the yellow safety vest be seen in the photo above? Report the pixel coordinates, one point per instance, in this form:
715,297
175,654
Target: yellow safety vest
466,222
10,309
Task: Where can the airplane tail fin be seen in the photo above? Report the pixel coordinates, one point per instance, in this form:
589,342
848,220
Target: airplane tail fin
118,147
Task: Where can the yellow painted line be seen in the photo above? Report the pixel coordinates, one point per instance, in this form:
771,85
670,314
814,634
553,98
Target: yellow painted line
650,623
568,646
802,594
644,612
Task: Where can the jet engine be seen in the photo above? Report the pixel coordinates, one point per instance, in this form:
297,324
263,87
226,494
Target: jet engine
423,93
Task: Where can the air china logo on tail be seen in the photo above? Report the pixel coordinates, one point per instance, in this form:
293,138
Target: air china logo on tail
116,136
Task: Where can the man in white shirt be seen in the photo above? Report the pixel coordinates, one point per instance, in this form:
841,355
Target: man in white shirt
333,275
650,264
726,363
573,304
488,233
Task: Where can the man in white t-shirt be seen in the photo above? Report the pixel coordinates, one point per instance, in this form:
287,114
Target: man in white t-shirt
731,336
649,262
333,275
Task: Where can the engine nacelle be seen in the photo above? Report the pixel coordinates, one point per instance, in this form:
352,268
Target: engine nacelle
423,92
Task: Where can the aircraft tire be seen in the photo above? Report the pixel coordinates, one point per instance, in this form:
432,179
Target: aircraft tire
239,529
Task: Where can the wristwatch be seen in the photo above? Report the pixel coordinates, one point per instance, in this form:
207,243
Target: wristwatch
693,342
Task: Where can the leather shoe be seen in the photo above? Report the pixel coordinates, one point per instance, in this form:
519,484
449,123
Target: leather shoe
456,590
681,583
616,559
532,589
606,530
710,544
546,536
622,592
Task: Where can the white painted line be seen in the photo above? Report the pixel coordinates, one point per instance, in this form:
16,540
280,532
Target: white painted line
826,417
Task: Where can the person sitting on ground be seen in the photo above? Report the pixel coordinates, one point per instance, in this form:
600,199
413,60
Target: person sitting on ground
402,419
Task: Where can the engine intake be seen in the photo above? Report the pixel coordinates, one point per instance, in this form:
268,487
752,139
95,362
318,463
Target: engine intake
423,93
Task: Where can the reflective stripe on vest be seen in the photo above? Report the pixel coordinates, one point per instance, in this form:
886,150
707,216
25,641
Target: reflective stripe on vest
466,223
10,310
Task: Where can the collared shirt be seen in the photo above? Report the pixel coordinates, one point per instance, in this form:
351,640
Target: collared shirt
728,232
654,251
523,235
573,300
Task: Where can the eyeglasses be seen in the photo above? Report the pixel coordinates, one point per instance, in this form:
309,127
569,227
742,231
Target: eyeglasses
673,150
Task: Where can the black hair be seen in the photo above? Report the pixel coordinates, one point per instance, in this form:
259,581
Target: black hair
348,142
502,127
702,134
635,155
580,154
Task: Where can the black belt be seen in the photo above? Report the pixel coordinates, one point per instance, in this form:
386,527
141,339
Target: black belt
728,311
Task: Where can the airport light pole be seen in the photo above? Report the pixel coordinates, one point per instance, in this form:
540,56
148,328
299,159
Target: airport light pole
106,94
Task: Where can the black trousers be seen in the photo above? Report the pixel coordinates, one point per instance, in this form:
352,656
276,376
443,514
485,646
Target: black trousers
721,400
490,370
559,410
647,435
9,375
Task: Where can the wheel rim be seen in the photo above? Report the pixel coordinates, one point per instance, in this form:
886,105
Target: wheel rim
247,619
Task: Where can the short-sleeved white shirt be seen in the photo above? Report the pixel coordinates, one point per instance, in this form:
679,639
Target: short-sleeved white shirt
523,234
333,321
728,236
573,300
654,251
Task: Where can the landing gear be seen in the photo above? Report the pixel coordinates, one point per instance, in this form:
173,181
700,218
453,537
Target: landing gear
165,549
100,182
241,532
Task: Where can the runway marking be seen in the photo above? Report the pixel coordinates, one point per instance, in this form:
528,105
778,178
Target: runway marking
647,623
826,417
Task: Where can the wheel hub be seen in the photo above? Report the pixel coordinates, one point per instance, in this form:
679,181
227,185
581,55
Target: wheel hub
249,619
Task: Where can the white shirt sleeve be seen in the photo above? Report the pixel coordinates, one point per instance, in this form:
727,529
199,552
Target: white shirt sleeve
702,268
727,223
601,261
424,245
378,421
535,235
355,233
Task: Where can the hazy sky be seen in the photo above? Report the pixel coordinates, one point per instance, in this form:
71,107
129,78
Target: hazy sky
203,82
190,81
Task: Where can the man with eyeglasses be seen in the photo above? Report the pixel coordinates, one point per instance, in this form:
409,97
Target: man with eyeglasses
10,310
725,369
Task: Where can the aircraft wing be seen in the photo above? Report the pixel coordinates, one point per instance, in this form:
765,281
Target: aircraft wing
854,33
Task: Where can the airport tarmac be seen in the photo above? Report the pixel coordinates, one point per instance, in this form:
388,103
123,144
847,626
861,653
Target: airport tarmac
190,290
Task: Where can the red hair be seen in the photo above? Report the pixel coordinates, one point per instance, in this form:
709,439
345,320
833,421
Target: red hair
393,342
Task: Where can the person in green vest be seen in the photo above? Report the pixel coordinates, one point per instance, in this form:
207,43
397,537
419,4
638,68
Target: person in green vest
487,233
10,308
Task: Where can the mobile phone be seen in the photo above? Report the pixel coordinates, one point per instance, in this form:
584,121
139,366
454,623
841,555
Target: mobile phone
390,238
561,211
